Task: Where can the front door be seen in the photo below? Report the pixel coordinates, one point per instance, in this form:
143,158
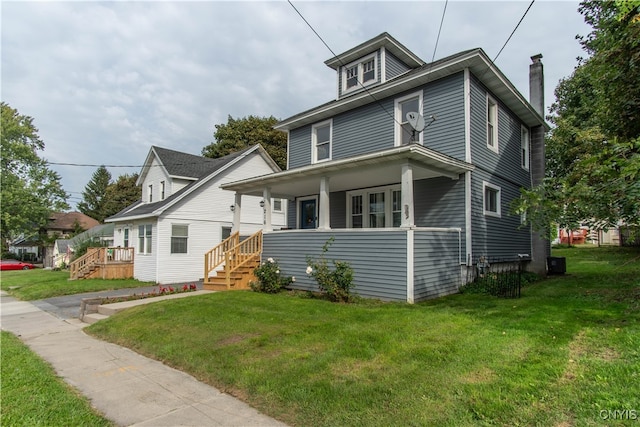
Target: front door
308,217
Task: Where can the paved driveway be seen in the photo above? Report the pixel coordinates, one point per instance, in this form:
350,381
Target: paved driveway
68,306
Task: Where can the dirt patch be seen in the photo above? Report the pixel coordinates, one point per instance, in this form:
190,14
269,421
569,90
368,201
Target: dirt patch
580,349
233,339
481,376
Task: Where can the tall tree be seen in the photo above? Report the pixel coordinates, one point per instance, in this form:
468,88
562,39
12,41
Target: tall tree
94,195
238,134
593,151
30,190
121,194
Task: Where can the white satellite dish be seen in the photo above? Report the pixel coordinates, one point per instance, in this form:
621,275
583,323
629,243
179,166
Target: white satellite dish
416,121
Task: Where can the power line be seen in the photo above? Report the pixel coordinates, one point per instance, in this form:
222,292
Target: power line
439,30
514,30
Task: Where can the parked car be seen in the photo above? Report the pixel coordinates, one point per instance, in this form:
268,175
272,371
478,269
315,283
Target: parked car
14,264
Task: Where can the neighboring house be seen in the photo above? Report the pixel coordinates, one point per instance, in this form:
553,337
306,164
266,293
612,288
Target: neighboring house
64,249
61,225
26,248
184,213
410,210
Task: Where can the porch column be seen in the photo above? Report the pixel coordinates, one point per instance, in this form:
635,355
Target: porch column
266,196
407,196
237,207
324,208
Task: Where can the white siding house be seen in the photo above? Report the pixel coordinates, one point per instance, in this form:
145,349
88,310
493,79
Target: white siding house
184,212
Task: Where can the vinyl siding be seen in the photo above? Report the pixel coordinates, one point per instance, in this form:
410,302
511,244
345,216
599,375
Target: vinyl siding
378,258
497,237
444,99
436,264
145,265
300,147
364,130
154,176
394,67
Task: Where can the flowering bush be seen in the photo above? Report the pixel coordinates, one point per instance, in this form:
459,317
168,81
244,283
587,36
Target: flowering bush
269,279
336,284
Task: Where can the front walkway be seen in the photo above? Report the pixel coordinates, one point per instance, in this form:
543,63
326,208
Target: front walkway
129,389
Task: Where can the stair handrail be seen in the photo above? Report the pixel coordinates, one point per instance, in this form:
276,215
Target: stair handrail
85,262
241,254
216,256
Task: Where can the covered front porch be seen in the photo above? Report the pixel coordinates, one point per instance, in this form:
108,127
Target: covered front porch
368,204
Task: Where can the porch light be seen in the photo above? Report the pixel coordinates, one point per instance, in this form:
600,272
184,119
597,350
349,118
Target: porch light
262,203
232,208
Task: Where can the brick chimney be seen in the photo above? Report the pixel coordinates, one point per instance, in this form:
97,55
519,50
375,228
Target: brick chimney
540,246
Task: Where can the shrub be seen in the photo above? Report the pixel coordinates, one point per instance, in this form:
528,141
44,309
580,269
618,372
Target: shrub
270,280
336,283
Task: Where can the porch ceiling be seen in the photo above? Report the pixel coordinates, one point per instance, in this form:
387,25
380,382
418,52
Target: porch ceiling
369,170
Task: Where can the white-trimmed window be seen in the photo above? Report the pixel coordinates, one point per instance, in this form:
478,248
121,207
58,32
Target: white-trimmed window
162,190
525,144
276,205
491,199
360,73
321,141
404,133
374,207
150,192
144,238
492,124
125,241
179,238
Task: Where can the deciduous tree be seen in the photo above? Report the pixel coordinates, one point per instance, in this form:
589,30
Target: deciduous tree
30,190
121,194
238,134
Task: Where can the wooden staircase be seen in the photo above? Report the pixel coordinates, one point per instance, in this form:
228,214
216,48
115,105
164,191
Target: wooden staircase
103,263
230,265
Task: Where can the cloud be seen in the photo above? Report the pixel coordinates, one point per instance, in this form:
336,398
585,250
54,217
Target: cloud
106,80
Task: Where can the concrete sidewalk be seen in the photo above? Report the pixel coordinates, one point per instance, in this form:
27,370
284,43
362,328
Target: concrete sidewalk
129,389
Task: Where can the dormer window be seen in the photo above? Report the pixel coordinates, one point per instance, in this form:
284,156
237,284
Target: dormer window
360,73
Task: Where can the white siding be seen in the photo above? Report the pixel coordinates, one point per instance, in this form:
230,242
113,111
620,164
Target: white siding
144,265
154,176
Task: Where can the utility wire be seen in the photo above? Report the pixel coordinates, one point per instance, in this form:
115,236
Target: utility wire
439,30
514,30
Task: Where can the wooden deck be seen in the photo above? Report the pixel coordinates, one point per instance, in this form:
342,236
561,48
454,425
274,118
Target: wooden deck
103,263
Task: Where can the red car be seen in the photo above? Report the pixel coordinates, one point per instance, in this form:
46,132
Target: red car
14,264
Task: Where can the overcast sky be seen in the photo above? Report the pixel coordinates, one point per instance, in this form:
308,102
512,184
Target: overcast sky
106,80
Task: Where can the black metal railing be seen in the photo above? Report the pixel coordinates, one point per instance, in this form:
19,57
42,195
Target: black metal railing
497,277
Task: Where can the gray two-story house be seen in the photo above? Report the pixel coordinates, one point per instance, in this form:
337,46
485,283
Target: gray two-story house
410,206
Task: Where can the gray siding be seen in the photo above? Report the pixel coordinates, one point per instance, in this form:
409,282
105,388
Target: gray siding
497,237
299,147
378,258
394,67
363,130
436,264
444,99
338,203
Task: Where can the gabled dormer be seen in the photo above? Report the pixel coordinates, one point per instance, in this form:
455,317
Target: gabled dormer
371,63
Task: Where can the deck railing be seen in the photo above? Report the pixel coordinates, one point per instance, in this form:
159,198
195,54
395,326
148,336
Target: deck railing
99,257
242,254
215,257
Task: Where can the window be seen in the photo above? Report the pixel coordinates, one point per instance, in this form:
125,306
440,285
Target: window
321,141
492,124
179,236
491,199
144,239
161,190
404,132
126,238
150,188
364,71
524,152
374,208
277,205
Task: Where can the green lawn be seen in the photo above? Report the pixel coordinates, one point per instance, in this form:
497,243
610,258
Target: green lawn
32,394
38,284
566,353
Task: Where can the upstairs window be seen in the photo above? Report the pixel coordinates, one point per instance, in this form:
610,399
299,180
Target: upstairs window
491,199
524,152
179,237
161,190
321,142
404,132
492,124
360,73
150,191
